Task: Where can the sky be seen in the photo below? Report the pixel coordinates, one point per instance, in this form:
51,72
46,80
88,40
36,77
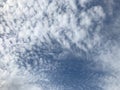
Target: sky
59,45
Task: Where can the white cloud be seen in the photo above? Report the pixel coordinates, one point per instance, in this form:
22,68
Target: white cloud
84,2
110,59
109,6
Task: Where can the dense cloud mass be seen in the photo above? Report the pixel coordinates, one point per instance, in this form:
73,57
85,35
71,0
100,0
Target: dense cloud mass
59,45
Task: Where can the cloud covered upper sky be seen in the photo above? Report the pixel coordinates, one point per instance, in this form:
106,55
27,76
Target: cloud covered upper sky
72,23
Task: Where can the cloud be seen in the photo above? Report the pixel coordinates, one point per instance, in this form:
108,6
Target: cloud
84,2
110,56
109,5
27,23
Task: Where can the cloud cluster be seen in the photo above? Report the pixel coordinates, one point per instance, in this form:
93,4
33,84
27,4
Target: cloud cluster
25,23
